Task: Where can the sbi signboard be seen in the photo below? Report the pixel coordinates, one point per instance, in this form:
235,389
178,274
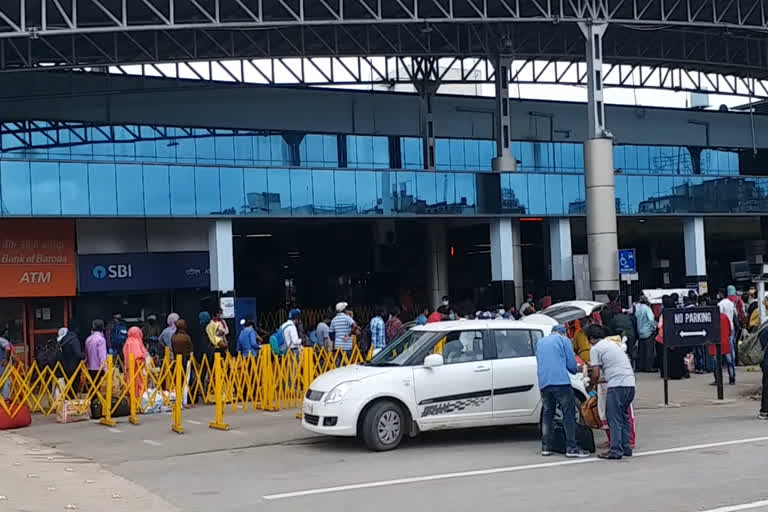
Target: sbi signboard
143,271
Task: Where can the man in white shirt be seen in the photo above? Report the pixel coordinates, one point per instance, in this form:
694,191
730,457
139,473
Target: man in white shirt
291,333
608,361
727,308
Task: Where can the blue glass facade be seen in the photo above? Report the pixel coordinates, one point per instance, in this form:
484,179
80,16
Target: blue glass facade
170,172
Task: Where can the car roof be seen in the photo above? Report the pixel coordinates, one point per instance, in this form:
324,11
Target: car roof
453,325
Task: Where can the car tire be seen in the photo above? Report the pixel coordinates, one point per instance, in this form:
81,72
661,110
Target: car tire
384,426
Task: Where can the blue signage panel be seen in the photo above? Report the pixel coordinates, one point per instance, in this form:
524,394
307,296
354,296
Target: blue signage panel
143,271
627,264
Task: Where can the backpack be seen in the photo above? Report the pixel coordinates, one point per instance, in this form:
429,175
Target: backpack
277,341
49,353
119,335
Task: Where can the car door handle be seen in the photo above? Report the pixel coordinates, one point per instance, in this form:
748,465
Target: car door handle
481,369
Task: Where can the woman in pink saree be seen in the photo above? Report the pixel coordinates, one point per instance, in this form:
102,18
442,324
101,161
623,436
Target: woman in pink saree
134,345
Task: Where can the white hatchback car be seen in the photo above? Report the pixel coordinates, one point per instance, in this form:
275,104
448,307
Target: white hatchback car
445,375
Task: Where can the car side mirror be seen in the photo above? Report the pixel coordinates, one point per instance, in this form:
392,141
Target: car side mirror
433,360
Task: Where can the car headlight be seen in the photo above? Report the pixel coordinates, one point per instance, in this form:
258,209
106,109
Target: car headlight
337,393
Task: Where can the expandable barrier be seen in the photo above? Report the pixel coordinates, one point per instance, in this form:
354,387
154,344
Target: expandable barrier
233,383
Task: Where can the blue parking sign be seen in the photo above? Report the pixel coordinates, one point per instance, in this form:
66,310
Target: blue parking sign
627,263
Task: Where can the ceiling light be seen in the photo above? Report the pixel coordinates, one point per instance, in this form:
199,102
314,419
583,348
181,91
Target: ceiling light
259,235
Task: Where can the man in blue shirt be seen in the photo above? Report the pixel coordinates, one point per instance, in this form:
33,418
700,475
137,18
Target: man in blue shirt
378,334
248,341
555,364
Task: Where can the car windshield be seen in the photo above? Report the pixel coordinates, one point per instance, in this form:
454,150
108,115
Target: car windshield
563,314
400,351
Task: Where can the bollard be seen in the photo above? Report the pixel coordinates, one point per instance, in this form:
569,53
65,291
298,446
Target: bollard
218,390
107,407
133,418
176,416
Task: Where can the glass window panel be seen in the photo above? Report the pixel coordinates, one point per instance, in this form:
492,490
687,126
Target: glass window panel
344,185
573,194
225,148
578,157
618,158
157,197
166,150
442,155
74,189
232,192
526,155
323,193
102,189
554,204
186,150
487,154
46,191
207,190
301,192
445,188
16,192
412,155
644,163
130,186
319,150
425,192
258,198
622,197
367,151
279,182
537,194
182,180
244,149
457,154
471,155
514,193
465,197
405,192
639,189
145,149
205,148
368,198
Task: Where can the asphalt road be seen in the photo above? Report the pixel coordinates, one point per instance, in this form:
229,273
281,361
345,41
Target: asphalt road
698,457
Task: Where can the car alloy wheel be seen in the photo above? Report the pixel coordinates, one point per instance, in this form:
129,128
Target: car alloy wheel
388,428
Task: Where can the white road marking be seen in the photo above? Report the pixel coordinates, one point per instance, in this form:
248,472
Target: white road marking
115,430
237,432
194,422
743,506
153,443
493,471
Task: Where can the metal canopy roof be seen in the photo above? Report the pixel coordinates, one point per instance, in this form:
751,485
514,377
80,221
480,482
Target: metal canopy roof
711,36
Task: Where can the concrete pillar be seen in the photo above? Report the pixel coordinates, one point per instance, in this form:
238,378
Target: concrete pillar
561,259
221,256
504,160
695,252
437,262
602,242
506,262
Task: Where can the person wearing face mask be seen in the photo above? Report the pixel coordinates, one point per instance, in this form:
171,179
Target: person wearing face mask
445,301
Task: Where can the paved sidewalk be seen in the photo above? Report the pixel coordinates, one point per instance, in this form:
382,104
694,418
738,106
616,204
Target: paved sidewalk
36,478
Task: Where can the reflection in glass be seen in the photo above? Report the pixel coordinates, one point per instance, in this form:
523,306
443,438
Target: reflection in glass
46,199
183,197
368,187
411,153
207,190
301,192
367,152
73,178
323,193
279,185
130,183
157,196
514,193
232,192
258,200
102,191
344,183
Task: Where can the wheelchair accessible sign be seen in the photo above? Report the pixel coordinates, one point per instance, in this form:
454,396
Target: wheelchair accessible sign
627,264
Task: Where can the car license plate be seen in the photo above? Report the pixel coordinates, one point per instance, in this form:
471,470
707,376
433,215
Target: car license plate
309,408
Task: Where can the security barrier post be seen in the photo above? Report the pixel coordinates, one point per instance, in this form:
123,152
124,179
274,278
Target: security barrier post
133,418
107,406
176,416
218,390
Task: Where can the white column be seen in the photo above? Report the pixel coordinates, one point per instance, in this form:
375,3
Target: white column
695,253
504,160
560,249
221,256
437,262
506,257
